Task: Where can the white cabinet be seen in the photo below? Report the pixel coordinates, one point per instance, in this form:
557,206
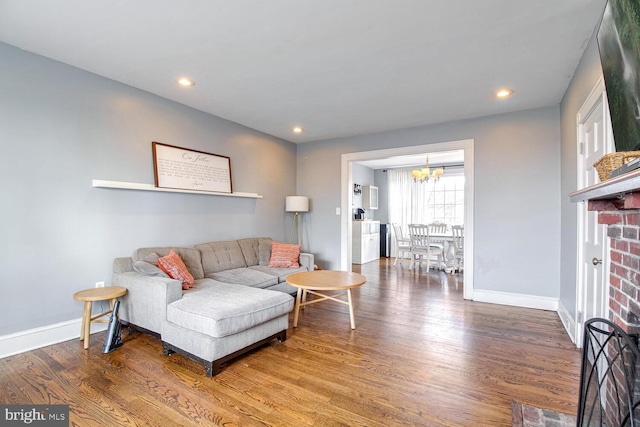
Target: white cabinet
365,242
369,197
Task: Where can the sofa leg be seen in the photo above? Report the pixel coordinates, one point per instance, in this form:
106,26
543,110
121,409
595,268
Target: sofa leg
166,349
211,368
282,336
216,367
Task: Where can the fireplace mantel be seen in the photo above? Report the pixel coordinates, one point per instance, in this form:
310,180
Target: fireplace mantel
615,188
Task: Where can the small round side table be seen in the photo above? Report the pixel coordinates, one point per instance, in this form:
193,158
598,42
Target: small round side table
110,293
318,282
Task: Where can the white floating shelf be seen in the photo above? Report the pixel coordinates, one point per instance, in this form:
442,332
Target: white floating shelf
99,183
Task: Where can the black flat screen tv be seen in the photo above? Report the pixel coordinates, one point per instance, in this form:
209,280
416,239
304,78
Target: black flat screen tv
619,46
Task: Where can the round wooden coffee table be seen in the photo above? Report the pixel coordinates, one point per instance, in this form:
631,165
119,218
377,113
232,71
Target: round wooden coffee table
96,294
319,281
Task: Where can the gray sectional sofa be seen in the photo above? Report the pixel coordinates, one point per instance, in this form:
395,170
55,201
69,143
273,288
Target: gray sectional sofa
237,302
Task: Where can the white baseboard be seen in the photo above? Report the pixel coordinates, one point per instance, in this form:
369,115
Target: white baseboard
518,300
568,321
22,341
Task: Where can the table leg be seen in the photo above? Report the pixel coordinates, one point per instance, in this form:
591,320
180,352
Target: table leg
296,309
84,316
86,323
448,256
353,320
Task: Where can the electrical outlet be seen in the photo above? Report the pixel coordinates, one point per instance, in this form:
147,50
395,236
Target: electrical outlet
99,284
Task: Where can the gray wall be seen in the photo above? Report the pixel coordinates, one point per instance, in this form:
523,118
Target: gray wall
364,176
380,178
583,81
517,194
60,127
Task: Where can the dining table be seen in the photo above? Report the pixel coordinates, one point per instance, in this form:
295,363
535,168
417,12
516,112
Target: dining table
446,239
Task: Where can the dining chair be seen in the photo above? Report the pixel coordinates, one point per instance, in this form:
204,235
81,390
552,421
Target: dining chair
458,245
403,244
421,247
438,228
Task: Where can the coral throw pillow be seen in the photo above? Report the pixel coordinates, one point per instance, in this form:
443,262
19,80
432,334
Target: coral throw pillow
284,255
173,265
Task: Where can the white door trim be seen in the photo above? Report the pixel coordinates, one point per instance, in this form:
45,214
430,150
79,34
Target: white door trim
347,195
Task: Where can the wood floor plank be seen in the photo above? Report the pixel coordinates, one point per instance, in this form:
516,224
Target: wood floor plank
420,356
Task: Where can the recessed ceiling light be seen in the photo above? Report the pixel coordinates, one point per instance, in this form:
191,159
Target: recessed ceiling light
297,129
504,93
186,82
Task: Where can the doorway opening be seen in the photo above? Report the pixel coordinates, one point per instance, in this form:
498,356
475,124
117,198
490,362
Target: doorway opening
347,196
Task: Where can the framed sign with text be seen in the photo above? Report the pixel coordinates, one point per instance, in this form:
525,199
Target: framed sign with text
186,169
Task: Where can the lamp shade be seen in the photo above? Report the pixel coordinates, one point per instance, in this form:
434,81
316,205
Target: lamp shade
297,204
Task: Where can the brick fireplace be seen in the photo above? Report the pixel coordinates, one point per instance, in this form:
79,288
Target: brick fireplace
610,379
617,202
622,217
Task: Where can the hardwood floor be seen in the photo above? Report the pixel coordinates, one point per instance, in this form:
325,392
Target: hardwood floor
420,355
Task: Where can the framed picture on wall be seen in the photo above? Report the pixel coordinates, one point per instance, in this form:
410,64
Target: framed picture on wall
187,169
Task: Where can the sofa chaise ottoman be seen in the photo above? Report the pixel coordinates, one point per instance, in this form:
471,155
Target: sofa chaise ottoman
213,326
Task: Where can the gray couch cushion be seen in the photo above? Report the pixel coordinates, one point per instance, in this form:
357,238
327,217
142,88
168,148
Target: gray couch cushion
264,251
122,265
149,266
256,251
148,269
190,256
280,273
245,276
226,309
249,248
220,256
201,285
284,287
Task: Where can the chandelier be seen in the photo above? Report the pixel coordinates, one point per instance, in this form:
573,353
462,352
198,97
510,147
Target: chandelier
424,174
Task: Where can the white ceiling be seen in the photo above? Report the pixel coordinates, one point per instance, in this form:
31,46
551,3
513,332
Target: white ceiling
451,158
334,67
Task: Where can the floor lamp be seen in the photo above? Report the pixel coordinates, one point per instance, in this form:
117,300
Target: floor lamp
296,204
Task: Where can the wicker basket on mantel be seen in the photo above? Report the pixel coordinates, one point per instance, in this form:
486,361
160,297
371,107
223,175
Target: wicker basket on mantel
610,162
